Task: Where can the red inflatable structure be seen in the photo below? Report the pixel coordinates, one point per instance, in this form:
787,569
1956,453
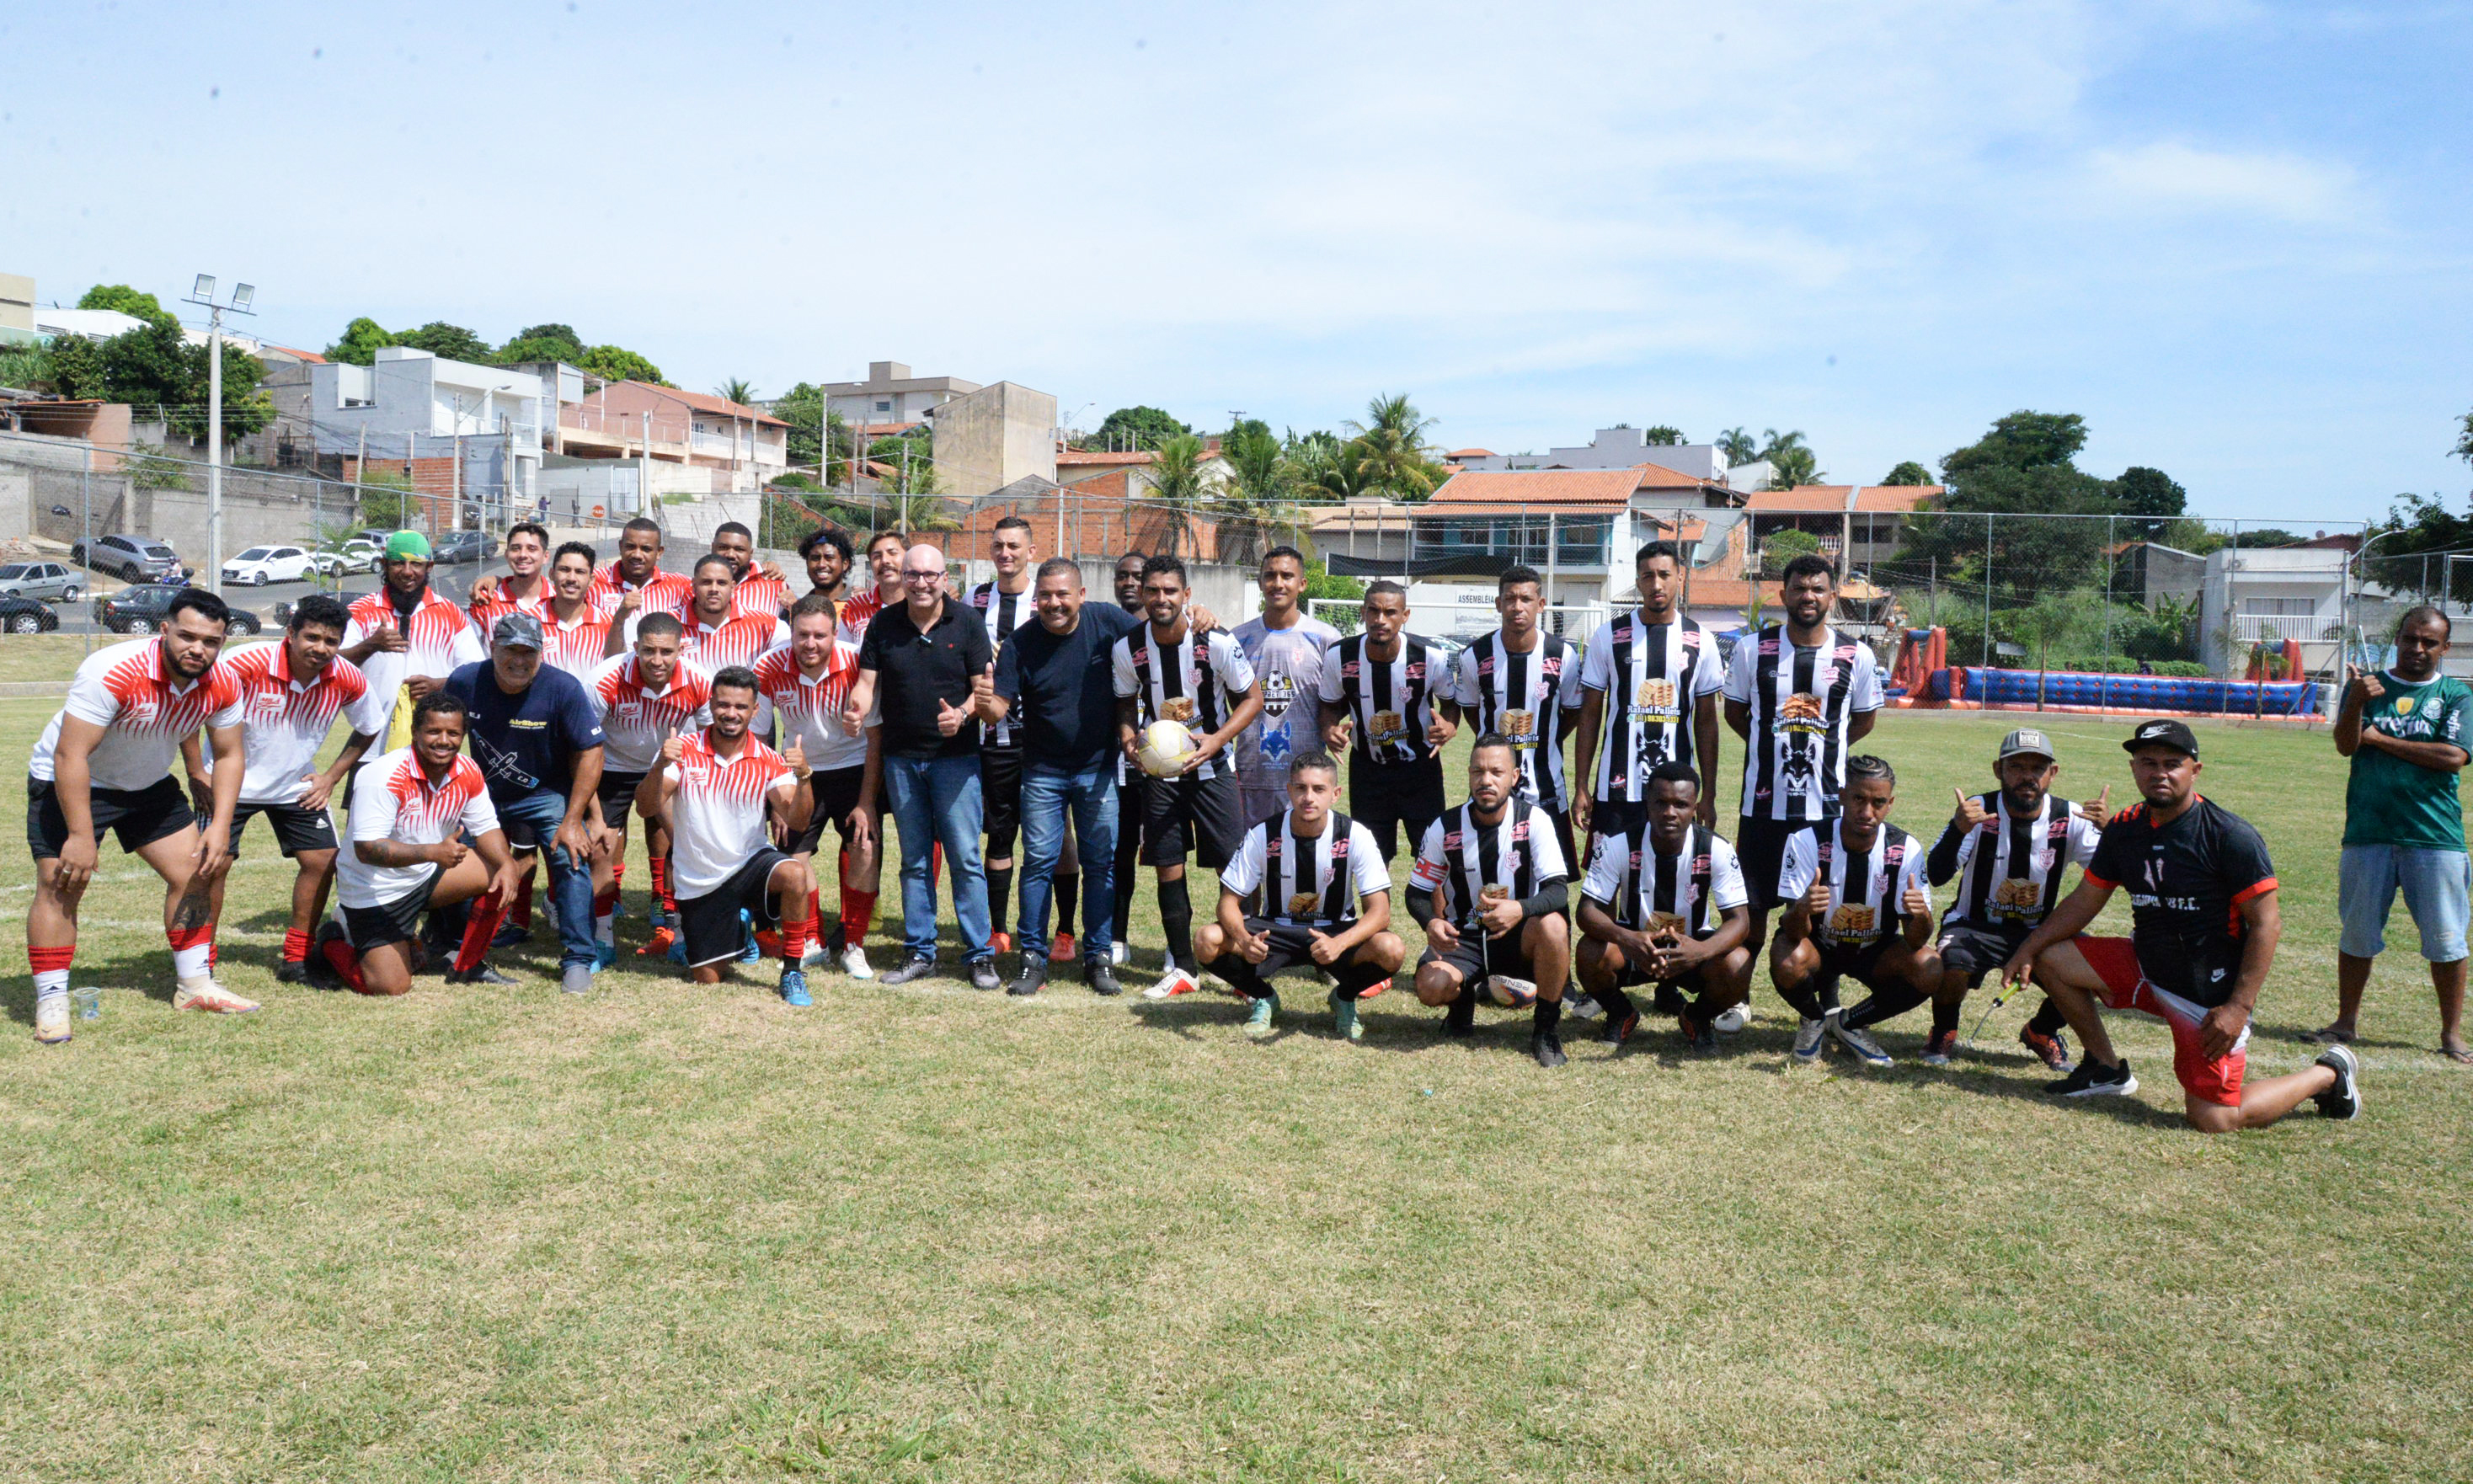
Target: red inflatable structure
1920,653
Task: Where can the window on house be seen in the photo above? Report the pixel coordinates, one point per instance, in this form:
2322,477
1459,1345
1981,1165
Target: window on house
884,407
2279,607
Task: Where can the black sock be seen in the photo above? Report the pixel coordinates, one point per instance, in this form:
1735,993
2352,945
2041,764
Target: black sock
1069,892
1239,973
1176,920
2048,1020
1945,1014
1547,1014
1824,989
1884,1005
1618,1005
1802,998
999,892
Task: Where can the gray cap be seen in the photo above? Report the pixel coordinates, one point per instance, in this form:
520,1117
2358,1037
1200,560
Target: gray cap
518,631
2026,742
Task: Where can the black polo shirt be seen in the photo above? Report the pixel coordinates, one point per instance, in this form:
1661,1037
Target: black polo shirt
915,671
1063,688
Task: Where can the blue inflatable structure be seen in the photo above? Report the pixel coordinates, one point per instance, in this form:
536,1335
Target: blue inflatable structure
2014,688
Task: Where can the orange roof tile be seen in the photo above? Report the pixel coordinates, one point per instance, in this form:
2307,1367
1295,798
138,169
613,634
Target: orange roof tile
1833,500
1657,476
1610,487
1472,453
1896,497
1090,456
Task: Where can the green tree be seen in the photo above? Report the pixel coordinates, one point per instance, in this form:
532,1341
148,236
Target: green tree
1179,486
543,342
800,407
1908,472
2464,448
447,341
156,367
1393,457
1257,498
1663,436
2022,440
125,300
361,342
1737,444
1783,547
616,362
2020,469
2152,494
737,389
1321,582
1791,461
1132,429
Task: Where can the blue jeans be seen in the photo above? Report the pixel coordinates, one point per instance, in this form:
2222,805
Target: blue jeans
1046,795
2435,892
936,799
570,884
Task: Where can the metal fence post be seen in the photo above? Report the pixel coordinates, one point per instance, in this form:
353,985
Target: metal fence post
1987,594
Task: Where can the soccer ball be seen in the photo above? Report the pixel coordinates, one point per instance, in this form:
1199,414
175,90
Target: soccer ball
1166,746
1511,994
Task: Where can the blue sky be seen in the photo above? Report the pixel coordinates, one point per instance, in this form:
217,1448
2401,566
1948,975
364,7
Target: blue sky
2233,236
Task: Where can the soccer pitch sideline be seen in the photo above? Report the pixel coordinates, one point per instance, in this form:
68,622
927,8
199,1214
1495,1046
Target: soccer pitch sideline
921,1232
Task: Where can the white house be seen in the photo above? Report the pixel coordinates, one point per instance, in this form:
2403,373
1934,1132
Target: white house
2252,596
1623,448
412,404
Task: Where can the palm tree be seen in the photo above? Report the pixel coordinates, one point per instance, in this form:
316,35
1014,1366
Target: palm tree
737,389
1178,487
1393,454
1737,444
1255,496
1792,466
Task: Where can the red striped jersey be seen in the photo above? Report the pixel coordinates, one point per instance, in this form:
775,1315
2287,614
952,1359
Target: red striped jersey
810,707
856,613
736,642
665,592
575,645
284,721
438,638
636,720
394,798
144,712
485,616
717,816
759,595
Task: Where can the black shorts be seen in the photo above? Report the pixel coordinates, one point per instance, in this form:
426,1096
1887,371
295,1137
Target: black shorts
710,923
295,828
1611,816
1000,798
1761,847
1292,947
1385,796
391,922
1976,950
1632,976
836,796
1208,807
1132,807
138,815
1476,956
1856,961
1573,866
617,795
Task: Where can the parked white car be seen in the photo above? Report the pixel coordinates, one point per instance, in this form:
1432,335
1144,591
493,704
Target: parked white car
262,564
355,556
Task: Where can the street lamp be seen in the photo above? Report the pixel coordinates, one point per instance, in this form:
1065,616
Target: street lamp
203,292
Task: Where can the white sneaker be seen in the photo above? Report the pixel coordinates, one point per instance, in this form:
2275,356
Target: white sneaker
1732,1019
1808,1038
1119,955
1859,1040
211,997
51,1020
1176,982
854,962
1582,1007
815,955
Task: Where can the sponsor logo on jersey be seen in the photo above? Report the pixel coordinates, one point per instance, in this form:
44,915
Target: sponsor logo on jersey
1301,903
1801,712
1851,921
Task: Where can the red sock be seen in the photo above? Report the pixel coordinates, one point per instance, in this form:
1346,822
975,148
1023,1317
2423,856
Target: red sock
816,912
796,934
50,961
487,909
295,945
214,954
605,902
858,910
618,872
662,882
522,915
347,963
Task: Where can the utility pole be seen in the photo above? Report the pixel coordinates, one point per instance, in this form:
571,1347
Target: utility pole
203,292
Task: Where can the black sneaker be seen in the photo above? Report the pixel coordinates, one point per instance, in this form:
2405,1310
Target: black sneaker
983,974
290,973
1700,1032
916,969
2344,1100
1034,974
1548,1049
1101,978
1619,1028
2089,1080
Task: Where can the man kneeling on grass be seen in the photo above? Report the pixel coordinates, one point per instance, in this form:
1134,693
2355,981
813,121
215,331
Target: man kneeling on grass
409,809
2203,922
1856,905
1667,907
1490,887
1326,903
716,790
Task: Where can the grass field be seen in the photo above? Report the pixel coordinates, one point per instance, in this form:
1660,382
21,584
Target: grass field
925,1234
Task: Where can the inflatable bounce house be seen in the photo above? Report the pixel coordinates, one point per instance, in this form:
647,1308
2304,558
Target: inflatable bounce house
1922,676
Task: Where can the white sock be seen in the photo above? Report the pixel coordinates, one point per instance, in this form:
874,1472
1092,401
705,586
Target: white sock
190,963
51,984
602,928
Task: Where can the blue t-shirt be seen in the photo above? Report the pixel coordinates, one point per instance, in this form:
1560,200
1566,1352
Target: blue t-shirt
1062,688
525,744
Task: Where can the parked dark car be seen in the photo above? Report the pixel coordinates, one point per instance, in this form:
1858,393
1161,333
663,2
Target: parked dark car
26,616
460,547
133,559
140,609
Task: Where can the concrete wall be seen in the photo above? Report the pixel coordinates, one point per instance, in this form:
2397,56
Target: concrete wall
993,437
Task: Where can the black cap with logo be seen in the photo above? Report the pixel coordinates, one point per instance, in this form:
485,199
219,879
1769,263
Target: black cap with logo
2163,733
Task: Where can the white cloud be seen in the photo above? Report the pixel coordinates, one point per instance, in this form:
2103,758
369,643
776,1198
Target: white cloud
2174,176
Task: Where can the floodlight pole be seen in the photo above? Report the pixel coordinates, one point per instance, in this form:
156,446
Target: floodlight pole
203,293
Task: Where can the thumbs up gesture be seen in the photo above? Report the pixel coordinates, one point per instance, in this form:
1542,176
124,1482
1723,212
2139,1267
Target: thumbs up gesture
949,717
2099,812
1971,812
983,686
797,756
2368,683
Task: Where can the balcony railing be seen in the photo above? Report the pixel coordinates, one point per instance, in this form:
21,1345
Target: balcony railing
2276,628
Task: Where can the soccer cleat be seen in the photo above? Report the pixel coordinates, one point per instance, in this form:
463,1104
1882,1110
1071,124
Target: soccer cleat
1176,981
51,1020
1548,1049
604,955
659,944
794,988
1060,948
292,972
1941,1047
1704,1038
2344,1100
1732,1019
211,997
1459,1016
678,953
1034,975
1808,1038
2089,1080
983,975
750,951
573,979
1619,1028
917,968
1859,1040
2053,1049
656,918
1101,976
478,974
1344,1020
855,965
1257,1020
1119,954
1580,1007
1372,990
511,934
814,954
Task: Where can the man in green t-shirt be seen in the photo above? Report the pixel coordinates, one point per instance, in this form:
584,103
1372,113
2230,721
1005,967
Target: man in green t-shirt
2403,828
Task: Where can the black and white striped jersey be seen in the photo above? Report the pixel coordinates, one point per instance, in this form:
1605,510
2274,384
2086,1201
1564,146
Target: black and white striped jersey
1525,698
1468,863
2008,870
1648,892
1652,676
1198,680
1391,701
1866,887
1309,880
1002,612
1801,698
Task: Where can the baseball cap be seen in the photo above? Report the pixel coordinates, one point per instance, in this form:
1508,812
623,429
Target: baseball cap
2026,742
518,631
2163,733
407,546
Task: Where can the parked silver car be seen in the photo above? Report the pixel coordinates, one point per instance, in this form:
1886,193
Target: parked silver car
133,559
57,580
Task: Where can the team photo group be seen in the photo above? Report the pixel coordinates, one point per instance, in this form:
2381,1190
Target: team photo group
1034,753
